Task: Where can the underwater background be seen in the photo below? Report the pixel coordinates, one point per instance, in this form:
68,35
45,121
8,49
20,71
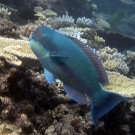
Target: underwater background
29,105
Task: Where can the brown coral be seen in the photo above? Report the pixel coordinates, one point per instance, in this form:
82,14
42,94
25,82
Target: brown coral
89,34
26,30
8,29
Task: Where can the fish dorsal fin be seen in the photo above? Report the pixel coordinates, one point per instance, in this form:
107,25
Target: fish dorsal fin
102,75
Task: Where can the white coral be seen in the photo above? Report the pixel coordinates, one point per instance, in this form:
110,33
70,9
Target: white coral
101,24
73,32
87,22
107,54
64,18
4,13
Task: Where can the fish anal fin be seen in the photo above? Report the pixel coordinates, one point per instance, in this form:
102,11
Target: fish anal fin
75,95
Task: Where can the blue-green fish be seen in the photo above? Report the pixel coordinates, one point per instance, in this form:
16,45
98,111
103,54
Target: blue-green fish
80,70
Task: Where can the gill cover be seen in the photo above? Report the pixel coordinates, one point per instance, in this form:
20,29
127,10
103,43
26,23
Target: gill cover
43,35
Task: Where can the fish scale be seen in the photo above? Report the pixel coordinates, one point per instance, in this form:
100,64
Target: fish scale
80,70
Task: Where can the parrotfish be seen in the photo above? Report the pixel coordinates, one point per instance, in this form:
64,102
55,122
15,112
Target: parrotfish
80,70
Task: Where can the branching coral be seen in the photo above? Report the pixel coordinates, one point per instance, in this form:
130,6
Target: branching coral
70,31
64,21
113,61
131,62
99,39
93,40
40,16
101,24
4,13
84,22
49,13
6,7
89,33
73,32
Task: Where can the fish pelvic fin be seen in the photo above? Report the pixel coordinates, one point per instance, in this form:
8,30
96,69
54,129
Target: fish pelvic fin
49,76
102,102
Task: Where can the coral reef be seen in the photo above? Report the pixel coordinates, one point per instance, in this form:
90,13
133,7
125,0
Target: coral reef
58,112
9,129
7,7
38,9
16,52
101,24
93,40
117,40
42,14
99,39
26,30
28,103
4,13
84,22
62,128
73,32
113,61
84,8
131,62
64,21
121,84
8,29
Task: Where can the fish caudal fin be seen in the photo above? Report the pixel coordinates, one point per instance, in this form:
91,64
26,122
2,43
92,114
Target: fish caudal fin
103,102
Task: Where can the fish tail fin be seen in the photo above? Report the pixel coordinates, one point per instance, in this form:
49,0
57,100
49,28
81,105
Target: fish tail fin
102,102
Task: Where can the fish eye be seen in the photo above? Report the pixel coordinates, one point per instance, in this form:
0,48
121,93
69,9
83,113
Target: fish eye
44,35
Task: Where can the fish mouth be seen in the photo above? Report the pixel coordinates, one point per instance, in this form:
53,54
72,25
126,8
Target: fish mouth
37,48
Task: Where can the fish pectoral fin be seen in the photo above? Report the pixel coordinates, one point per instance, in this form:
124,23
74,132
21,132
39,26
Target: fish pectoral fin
58,59
49,76
75,95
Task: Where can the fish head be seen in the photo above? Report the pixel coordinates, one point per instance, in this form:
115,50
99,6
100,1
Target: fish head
41,41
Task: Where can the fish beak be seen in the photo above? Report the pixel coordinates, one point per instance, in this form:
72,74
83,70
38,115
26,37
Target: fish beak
37,48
